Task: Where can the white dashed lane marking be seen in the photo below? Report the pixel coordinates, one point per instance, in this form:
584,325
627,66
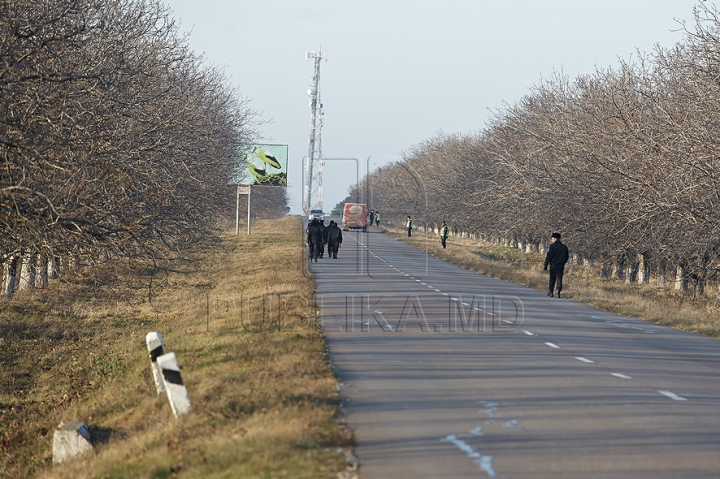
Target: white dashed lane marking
584,360
672,396
668,394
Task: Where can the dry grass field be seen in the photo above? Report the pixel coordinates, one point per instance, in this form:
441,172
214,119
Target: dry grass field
651,303
242,323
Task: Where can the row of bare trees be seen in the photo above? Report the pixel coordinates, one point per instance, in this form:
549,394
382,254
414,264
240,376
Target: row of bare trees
625,162
115,139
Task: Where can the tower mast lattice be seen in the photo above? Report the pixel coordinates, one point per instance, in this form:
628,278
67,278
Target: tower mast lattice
312,198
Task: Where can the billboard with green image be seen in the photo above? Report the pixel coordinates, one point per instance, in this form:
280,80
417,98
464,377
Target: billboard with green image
263,165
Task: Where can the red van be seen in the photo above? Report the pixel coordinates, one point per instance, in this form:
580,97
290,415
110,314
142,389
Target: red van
354,216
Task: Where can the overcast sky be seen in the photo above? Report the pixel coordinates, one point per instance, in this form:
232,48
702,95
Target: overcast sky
400,71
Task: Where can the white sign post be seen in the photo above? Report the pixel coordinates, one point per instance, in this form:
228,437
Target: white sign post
242,190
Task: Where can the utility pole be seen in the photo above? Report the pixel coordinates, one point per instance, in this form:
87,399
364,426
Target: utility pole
312,196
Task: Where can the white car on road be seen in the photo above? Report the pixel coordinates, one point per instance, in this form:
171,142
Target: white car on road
316,214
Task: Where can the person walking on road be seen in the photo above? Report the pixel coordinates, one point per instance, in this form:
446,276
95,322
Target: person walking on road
314,239
409,225
377,218
372,217
556,258
334,239
444,232
324,237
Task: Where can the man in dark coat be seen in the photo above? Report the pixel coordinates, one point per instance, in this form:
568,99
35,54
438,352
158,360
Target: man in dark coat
334,239
314,239
324,238
556,258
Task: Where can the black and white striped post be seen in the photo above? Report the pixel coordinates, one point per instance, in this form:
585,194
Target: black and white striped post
174,386
156,349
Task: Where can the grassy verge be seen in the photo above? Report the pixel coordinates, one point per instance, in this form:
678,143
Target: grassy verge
651,303
263,394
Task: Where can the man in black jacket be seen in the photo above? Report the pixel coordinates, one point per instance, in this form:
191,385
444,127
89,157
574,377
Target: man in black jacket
334,239
324,237
557,256
314,239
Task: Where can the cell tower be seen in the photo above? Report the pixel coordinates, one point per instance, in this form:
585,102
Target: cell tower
313,167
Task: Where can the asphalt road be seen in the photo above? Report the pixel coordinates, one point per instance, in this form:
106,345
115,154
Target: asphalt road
449,374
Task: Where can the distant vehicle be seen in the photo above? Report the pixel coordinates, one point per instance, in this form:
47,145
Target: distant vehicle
316,214
354,216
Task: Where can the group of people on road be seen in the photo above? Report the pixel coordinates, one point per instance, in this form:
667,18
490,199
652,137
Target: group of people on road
444,231
319,235
556,258
374,217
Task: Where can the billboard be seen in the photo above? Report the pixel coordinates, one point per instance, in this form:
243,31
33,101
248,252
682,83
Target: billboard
264,165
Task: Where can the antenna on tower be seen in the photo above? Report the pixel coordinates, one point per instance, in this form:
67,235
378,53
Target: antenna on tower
312,197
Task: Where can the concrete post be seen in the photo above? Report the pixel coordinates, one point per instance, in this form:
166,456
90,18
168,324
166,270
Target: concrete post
174,385
156,349
71,439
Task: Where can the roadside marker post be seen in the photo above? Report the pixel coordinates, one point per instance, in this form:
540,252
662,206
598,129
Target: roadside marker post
174,385
156,348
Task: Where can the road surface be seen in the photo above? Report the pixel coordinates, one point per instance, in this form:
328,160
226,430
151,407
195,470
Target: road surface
450,374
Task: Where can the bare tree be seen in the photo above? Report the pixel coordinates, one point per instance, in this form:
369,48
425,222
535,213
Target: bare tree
114,136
